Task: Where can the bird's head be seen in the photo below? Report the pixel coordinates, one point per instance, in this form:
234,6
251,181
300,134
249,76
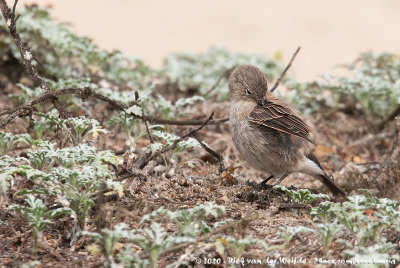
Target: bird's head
248,83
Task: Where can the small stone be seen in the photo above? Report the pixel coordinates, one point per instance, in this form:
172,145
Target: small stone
160,169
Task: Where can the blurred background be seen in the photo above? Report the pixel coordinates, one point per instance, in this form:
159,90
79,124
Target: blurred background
329,32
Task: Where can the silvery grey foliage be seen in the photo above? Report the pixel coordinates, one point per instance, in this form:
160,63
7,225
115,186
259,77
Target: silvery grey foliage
373,82
333,220
201,71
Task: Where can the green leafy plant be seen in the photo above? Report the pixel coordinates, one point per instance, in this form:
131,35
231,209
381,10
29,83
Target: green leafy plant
42,127
301,195
233,247
377,254
130,124
163,107
26,93
108,238
373,83
9,140
72,174
190,221
326,233
154,240
352,217
130,259
37,215
308,96
84,154
41,155
288,232
77,128
169,139
79,187
9,166
325,211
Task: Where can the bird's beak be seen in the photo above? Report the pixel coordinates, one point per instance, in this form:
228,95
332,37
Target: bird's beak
261,102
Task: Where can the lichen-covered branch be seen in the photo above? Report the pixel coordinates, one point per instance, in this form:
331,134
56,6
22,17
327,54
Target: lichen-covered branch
11,21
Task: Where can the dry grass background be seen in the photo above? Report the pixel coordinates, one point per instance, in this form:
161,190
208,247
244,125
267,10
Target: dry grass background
330,32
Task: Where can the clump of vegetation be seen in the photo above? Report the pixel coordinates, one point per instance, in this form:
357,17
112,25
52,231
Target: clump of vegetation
374,84
72,175
9,140
154,240
37,215
360,223
302,195
201,71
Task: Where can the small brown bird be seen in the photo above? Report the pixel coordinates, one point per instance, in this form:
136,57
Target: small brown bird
268,133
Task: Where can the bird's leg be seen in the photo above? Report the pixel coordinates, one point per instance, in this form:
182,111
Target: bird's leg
264,182
262,185
277,183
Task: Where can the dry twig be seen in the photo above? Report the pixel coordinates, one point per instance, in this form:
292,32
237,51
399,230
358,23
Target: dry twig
224,74
175,143
84,93
27,107
284,71
292,205
389,118
11,20
147,127
155,120
213,153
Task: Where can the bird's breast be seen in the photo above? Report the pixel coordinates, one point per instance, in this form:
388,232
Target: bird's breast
264,148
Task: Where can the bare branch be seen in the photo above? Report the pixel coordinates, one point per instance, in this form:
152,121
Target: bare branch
224,74
284,71
175,143
11,19
15,6
389,118
155,120
292,205
213,153
84,94
147,128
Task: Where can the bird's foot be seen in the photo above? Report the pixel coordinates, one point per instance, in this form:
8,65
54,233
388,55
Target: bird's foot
268,194
259,186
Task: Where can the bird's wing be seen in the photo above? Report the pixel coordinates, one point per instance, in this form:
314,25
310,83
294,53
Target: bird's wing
281,118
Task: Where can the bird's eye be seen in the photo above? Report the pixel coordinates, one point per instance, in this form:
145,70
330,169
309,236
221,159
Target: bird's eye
248,92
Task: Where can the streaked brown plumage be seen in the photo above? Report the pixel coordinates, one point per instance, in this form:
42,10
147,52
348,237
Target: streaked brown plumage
268,132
